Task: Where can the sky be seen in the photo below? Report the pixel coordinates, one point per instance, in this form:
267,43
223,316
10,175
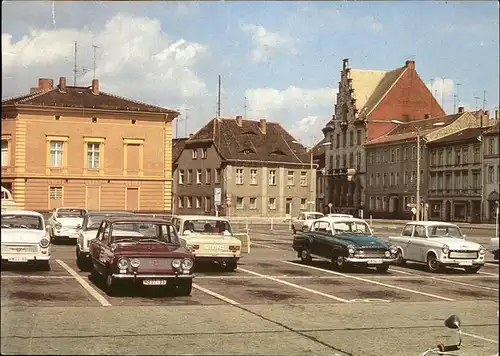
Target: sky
279,61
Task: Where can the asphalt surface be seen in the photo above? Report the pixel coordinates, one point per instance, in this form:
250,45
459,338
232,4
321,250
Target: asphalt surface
272,305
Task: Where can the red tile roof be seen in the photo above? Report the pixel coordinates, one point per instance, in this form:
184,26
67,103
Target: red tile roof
82,97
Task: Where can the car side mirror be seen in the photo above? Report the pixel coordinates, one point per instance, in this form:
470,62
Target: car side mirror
452,322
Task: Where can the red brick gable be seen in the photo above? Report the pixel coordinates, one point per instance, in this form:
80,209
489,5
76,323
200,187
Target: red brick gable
409,97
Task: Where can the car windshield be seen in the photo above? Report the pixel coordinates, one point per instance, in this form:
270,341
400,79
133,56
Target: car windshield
93,221
358,227
70,213
22,222
444,231
208,227
314,216
144,232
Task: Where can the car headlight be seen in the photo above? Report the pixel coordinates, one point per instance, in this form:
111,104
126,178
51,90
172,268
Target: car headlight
44,243
134,262
394,250
58,225
187,263
351,249
387,253
176,263
123,263
445,248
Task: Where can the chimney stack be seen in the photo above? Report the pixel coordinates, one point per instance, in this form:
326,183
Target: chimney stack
45,84
263,126
95,86
62,84
345,63
460,109
190,136
239,120
410,64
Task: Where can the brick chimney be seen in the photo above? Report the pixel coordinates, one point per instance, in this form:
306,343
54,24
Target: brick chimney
239,120
460,109
95,86
410,64
45,84
62,84
345,63
263,126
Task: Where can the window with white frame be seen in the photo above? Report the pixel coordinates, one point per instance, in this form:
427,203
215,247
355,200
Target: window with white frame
217,176
181,176
208,176
253,177
5,153
56,154
253,203
203,153
272,177
272,203
93,155
377,203
180,202
55,193
303,204
384,203
189,202
208,203
194,153
198,202
372,203
239,202
303,178
290,178
239,176
198,176
189,179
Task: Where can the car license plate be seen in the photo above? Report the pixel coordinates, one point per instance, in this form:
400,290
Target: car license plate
215,247
465,263
374,262
18,259
154,282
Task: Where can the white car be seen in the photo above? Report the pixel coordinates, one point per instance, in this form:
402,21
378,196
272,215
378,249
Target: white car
438,244
91,222
339,215
494,247
65,222
8,203
211,239
304,220
24,238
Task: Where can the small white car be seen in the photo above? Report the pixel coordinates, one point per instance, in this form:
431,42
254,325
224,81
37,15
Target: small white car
65,222
304,220
24,238
88,231
8,203
210,239
339,215
438,244
494,247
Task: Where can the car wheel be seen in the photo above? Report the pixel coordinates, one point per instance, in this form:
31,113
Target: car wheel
495,255
293,229
45,265
231,266
383,269
305,256
339,262
472,269
81,262
433,264
400,261
184,287
111,285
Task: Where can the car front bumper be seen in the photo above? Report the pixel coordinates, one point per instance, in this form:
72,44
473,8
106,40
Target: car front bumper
216,258
140,277
67,233
25,258
370,261
461,263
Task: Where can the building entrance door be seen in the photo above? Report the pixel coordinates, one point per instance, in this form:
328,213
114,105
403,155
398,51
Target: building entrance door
288,208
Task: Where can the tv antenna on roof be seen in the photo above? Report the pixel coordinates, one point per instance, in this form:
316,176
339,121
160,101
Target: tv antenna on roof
95,49
477,104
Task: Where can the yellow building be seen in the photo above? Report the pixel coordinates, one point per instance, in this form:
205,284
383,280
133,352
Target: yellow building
81,147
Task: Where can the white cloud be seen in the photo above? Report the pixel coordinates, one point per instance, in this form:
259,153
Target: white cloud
443,90
303,111
265,42
135,59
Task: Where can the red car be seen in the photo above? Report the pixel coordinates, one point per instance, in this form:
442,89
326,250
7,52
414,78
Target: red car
137,250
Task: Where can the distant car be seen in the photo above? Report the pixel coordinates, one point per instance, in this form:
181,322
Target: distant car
494,247
438,244
65,222
339,216
8,203
140,251
24,238
211,239
344,241
91,222
304,220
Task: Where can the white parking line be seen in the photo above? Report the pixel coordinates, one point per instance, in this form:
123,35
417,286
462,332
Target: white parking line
296,286
488,274
371,281
85,284
216,295
266,246
480,337
491,264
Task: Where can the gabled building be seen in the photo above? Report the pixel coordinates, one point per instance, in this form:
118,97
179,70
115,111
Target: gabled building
491,171
79,146
367,101
244,168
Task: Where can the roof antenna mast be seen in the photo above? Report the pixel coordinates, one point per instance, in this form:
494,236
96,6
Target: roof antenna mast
74,66
95,49
484,100
186,122
218,97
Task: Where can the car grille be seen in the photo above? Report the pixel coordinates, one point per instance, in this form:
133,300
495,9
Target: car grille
463,254
151,264
19,248
373,253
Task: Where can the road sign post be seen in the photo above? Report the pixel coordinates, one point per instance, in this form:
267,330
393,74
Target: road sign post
330,207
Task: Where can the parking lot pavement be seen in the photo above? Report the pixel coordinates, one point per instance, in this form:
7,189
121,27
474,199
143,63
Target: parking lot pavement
272,304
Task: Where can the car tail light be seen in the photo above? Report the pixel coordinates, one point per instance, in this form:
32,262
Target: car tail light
234,248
